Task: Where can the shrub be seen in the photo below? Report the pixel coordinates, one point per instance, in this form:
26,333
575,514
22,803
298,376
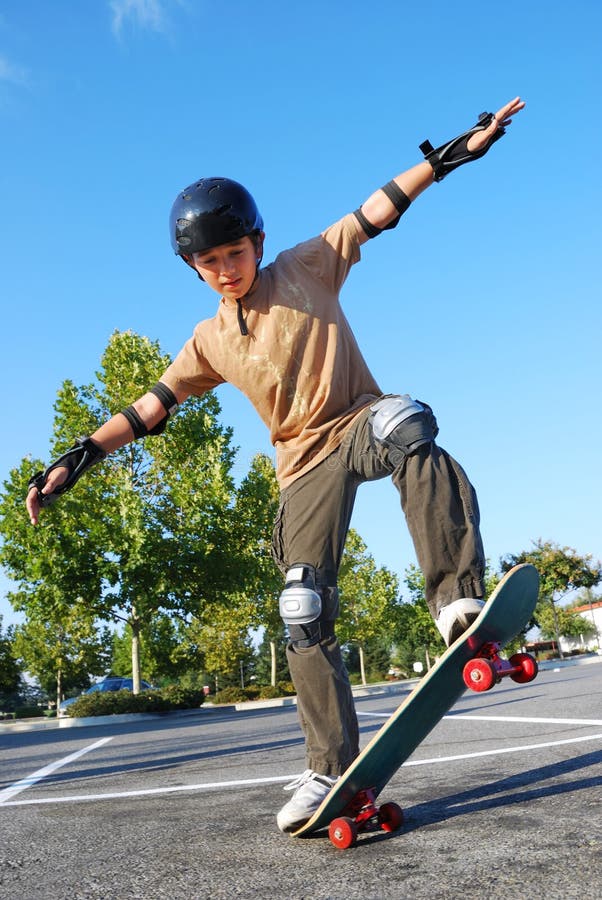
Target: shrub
231,695
287,688
107,703
28,712
269,692
181,697
252,691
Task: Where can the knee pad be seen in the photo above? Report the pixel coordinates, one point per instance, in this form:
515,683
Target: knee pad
302,608
402,425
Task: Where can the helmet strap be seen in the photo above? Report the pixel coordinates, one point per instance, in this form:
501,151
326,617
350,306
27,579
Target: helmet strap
241,321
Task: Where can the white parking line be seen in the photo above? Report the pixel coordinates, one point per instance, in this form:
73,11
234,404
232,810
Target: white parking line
440,759
210,786
534,721
526,720
22,785
251,782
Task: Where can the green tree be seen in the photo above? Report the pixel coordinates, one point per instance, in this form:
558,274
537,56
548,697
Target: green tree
159,646
368,597
55,575
10,671
561,571
271,664
218,631
587,597
148,529
221,639
62,652
554,620
255,510
416,634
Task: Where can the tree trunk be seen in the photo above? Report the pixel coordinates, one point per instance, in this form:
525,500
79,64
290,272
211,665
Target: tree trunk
362,665
135,626
273,659
59,688
557,630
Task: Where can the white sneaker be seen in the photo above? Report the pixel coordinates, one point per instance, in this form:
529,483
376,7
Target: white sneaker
456,617
310,789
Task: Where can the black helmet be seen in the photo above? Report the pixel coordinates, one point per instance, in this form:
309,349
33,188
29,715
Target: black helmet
211,212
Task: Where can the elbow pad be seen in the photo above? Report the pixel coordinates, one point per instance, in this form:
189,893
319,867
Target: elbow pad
169,403
400,201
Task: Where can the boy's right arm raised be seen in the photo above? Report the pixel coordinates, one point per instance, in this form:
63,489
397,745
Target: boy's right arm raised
147,415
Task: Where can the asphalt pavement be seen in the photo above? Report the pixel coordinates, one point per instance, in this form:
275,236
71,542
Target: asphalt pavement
504,797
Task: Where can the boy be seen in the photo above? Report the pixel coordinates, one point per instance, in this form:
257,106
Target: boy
280,335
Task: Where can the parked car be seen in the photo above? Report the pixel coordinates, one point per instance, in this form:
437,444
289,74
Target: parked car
110,683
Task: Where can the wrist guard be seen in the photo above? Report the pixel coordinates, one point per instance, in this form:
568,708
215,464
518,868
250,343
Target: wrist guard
81,457
455,153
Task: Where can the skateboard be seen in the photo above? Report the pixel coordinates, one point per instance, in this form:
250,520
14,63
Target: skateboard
473,661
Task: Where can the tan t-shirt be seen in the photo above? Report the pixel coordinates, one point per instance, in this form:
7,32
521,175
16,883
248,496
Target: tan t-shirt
300,365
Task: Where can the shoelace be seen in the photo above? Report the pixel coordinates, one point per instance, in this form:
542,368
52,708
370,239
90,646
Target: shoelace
300,780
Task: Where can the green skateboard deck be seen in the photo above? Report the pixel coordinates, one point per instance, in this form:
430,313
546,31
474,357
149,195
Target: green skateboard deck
471,661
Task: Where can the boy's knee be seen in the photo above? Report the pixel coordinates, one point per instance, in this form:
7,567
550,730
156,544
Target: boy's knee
401,426
307,607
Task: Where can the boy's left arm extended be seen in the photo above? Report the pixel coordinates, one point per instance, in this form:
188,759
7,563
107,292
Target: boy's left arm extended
384,208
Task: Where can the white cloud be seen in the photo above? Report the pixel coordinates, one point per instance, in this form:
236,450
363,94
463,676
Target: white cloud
145,13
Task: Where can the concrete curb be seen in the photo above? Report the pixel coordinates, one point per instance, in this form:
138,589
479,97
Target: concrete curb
86,721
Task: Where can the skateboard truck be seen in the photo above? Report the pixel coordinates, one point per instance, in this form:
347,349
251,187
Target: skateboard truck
364,815
488,668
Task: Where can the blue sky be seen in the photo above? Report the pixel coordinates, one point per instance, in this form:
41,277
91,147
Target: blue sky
485,301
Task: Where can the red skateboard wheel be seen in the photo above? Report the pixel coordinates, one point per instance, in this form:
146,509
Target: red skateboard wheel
479,675
527,665
390,817
342,832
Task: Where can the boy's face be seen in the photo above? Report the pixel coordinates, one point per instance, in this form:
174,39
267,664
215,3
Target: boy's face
230,268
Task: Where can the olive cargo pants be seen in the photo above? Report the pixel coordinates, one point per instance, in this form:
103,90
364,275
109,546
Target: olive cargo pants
442,515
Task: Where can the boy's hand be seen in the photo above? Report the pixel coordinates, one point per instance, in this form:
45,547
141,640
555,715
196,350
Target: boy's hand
502,119
55,478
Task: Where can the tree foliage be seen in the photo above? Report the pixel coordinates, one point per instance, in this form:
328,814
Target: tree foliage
416,637
563,621
159,539
10,672
561,571
147,530
368,596
62,653
255,510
